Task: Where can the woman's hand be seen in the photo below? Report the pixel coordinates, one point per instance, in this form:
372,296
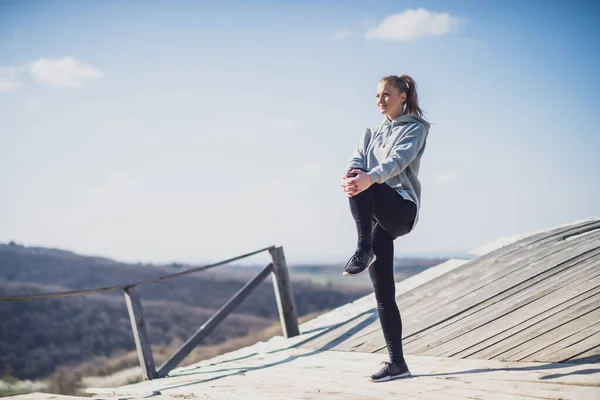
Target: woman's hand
355,182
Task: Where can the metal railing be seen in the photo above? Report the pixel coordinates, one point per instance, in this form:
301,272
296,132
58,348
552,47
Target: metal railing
283,295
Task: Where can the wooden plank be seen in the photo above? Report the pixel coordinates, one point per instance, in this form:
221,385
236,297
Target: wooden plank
435,307
493,320
333,337
213,322
490,338
342,375
344,362
575,336
139,389
335,379
466,302
542,238
420,387
462,293
44,396
306,382
269,380
428,393
452,283
504,349
494,392
486,272
512,330
511,301
515,325
140,334
579,348
427,276
465,339
558,337
592,355
484,318
522,254
522,331
509,240
482,387
283,294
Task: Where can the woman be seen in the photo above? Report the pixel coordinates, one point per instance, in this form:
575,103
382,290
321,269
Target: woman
384,192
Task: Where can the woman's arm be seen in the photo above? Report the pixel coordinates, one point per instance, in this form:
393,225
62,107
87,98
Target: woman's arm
401,155
358,155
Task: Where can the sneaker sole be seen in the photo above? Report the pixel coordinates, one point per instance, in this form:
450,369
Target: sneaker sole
391,378
365,270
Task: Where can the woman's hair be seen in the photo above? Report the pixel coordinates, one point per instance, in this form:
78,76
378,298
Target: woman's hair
407,85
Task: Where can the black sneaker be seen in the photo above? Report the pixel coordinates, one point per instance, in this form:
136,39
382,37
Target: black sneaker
359,262
391,371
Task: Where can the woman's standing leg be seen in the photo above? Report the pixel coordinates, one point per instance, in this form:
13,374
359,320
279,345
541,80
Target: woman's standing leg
382,278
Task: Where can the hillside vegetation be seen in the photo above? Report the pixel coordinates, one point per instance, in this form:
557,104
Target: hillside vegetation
37,336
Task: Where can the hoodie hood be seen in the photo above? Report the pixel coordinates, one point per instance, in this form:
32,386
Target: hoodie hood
407,118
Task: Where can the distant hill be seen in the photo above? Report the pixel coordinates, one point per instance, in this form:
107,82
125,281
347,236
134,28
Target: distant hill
36,336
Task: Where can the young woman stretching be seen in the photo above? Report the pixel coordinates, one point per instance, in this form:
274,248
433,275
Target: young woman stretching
384,191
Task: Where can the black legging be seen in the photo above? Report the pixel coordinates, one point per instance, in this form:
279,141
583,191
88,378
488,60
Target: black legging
382,215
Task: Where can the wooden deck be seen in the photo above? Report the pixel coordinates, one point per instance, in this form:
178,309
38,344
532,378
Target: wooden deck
537,299
273,370
521,321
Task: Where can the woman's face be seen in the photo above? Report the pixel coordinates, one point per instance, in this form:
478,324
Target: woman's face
390,100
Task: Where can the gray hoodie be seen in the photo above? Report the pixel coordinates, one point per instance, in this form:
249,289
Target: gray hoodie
391,153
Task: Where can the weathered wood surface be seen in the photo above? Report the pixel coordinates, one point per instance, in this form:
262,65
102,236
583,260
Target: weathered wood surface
521,302
270,371
508,240
45,396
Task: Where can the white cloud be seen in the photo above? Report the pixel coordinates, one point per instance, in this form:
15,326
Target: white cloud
8,78
341,34
445,178
414,24
64,72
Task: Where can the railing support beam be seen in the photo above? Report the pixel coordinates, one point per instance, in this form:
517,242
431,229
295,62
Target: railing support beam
212,323
140,335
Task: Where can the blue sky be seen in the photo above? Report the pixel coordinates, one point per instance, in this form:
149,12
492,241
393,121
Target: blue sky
195,131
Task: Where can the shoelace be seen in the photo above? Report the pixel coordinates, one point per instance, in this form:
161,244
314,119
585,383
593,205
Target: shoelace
357,257
386,366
